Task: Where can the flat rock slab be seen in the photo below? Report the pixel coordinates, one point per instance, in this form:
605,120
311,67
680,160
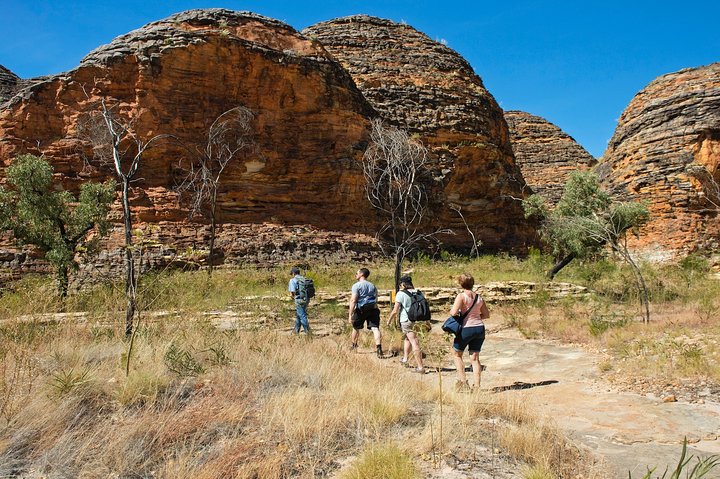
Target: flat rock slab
629,431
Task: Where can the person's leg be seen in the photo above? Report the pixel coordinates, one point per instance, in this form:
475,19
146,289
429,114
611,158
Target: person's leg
474,346
378,339
298,320
302,319
354,337
413,340
459,366
406,349
476,367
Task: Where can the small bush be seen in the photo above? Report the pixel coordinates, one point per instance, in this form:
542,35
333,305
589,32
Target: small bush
382,461
181,362
702,467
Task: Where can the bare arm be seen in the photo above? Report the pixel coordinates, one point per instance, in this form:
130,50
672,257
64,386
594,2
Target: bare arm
353,302
456,305
484,310
393,313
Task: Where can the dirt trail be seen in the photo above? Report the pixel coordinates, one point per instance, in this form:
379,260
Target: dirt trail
629,431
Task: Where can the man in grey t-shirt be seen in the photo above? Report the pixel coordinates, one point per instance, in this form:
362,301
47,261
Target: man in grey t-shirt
363,309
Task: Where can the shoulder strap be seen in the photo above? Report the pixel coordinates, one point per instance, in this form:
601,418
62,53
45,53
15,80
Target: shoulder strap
408,293
462,316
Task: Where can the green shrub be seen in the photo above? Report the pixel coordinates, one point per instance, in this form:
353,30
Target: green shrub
702,468
181,362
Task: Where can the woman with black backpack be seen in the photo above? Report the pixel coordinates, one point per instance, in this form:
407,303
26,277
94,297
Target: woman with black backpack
403,302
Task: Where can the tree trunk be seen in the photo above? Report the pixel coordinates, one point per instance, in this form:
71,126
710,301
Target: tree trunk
213,211
63,281
130,277
560,265
642,286
399,256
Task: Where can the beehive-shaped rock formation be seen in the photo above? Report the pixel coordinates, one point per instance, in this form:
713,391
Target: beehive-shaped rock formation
175,76
665,152
546,154
424,87
8,83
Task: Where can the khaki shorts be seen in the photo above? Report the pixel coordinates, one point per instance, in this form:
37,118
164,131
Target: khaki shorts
415,327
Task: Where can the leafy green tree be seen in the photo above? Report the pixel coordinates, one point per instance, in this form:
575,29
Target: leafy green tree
585,221
53,220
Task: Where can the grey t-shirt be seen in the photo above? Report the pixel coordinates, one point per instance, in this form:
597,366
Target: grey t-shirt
366,293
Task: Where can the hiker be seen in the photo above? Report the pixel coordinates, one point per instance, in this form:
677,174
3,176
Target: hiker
403,300
472,334
364,309
301,300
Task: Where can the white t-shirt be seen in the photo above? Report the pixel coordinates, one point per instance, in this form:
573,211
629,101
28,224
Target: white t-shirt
405,301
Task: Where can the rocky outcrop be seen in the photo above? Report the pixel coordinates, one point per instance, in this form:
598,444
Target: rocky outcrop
545,154
8,84
665,152
175,77
422,86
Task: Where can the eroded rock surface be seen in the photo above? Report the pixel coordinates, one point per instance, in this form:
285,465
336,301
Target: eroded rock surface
546,154
666,151
425,87
8,84
175,76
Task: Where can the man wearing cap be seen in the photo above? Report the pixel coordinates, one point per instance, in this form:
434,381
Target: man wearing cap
301,302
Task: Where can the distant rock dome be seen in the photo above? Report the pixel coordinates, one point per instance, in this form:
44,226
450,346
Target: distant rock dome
8,84
665,151
546,154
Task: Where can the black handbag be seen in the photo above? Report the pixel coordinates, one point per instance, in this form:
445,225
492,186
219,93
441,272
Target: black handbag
453,324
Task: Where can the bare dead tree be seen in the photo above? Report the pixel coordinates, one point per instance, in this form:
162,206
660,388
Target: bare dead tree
229,136
116,142
710,192
475,250
396,184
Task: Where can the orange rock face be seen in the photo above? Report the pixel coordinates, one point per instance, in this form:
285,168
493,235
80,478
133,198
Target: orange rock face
546,154
175,76
665,152
426,88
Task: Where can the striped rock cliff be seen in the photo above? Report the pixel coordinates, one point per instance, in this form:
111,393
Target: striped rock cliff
665,152
175,76
424,87
546,154
9,82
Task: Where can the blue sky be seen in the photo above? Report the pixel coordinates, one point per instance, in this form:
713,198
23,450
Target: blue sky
575,63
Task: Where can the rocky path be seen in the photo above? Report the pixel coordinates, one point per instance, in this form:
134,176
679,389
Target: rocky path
628,430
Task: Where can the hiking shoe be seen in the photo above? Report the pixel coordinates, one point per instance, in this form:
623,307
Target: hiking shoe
353,347
462,386
404,362
380,353
419,370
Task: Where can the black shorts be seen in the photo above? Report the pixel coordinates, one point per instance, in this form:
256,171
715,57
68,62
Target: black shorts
369,313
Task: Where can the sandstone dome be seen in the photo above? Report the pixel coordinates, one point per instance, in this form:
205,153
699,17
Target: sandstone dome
665,151
545,154
426,88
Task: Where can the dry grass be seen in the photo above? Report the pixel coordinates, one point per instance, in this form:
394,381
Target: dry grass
277,407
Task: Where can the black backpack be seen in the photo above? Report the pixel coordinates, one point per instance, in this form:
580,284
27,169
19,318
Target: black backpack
305,288
419,309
